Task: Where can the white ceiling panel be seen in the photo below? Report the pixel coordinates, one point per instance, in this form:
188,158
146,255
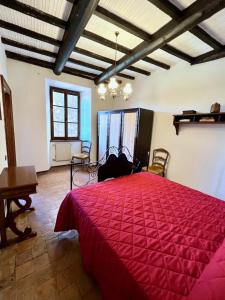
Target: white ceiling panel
28,53
107,30
110,53
181,4
165,57
27,40
190,44
58,8
146,66
215,26
98,63
78,67
131,73
90,60
30,23
141,13
98,48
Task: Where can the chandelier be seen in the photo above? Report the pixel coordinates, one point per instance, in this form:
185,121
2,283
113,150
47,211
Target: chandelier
114,87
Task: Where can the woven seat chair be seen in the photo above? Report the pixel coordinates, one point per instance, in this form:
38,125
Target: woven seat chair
159,162
84,155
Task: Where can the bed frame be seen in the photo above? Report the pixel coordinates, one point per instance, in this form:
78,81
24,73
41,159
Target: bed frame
113,164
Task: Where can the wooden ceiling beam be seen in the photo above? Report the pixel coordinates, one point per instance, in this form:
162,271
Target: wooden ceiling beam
209,56
33,12
29,10
15,44
174,12
199,11
166,6
55,42
129,27
101,40
53,55
79,17
108,60
48,65
30,33
175,52
122,23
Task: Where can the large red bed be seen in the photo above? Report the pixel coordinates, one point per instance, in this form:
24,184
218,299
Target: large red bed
145,237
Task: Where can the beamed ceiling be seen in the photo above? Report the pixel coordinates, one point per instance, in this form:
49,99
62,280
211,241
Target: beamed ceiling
77,36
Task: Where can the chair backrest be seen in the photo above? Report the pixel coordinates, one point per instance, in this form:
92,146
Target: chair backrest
86,147
160,158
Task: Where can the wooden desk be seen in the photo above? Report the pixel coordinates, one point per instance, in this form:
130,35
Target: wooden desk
16,183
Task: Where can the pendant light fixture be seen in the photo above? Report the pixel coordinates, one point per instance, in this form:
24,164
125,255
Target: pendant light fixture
113,87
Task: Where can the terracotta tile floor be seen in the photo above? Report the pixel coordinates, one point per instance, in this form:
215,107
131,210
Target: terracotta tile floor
48,266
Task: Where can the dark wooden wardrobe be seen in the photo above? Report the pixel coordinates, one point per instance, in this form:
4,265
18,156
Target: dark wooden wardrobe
127,127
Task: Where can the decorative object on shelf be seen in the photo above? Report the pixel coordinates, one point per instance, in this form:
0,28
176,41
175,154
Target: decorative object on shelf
215,108
114,87
207,119
198,118
185,120
185,112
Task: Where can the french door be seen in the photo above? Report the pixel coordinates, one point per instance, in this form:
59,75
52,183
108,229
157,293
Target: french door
116,129
102,134
129,133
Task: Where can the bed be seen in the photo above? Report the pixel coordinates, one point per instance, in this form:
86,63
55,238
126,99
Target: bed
145,237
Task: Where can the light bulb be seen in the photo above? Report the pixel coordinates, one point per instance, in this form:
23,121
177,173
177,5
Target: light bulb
127,91
113,86
102,90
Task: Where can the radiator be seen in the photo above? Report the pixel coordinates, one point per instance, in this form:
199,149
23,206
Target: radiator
62,151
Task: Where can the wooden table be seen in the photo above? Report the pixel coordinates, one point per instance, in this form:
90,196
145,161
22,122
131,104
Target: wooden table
16,183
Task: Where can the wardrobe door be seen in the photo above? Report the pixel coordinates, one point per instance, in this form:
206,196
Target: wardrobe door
114,131
102,134
129,133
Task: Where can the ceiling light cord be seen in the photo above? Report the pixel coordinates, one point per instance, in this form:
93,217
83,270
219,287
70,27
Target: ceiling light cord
116,34
113,87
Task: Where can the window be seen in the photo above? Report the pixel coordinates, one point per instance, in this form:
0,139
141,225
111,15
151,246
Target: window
65,114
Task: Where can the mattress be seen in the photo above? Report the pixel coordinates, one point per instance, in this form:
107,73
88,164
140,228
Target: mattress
143,236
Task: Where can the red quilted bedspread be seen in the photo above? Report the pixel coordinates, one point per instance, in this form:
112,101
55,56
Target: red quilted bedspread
143,236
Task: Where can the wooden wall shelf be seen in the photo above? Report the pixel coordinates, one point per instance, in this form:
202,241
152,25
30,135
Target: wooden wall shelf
198,118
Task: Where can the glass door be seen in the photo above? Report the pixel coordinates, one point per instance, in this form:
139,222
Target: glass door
114,131
102,134
129,133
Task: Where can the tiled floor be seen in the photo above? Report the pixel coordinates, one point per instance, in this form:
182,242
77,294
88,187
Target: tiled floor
47,266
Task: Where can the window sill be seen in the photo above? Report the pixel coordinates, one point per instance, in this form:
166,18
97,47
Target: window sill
64,141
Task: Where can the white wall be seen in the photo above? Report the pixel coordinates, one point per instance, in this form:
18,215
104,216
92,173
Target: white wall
198,152
3,71
27,83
